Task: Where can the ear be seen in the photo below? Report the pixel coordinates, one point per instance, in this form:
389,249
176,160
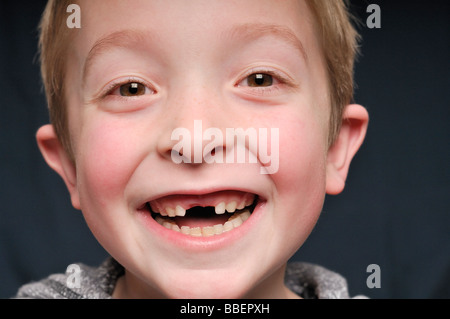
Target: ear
355,120
57,158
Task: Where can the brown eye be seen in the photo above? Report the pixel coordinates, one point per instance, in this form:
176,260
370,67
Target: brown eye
259,80
132,89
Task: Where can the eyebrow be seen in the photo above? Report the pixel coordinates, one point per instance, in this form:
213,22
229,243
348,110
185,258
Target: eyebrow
120,39
253,31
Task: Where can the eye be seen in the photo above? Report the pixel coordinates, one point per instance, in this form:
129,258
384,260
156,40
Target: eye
259,80
132,89
263,79
128,88
265,83
126,94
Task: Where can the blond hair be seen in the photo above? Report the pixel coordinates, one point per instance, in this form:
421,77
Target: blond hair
339,41
53,45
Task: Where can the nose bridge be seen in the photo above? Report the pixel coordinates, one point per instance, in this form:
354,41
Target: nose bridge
191,103
194,102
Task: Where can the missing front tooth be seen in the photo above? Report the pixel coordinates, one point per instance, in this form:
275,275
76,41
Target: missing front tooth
200,212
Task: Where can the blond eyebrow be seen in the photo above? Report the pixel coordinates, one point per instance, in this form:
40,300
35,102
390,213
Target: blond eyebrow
252,31
120,39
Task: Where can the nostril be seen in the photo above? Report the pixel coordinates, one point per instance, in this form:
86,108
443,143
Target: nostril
216,150
214,154
176,153
177,156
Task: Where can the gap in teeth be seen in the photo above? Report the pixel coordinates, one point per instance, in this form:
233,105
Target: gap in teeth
220,208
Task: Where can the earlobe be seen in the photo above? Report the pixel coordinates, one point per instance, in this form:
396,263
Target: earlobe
57,158
353,131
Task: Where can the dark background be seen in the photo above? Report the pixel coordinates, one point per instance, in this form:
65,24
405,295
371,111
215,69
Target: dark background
394,212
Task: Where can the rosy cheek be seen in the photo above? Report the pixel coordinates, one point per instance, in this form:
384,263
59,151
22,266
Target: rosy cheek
108,159
302,162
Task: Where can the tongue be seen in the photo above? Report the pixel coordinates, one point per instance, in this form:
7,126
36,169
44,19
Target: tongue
201,217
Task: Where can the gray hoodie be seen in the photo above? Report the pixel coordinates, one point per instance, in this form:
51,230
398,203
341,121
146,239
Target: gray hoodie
307,280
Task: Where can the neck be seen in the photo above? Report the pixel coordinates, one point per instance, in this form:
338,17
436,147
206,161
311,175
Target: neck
272,287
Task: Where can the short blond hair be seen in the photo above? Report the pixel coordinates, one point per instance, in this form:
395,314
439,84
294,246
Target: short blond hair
339,45
53,45
340,49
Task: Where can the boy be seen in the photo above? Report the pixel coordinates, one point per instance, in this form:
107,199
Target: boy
180,214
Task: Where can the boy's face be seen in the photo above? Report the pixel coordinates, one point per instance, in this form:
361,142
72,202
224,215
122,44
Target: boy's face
141,69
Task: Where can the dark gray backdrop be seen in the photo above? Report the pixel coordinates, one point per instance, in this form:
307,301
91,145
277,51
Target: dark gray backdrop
394,211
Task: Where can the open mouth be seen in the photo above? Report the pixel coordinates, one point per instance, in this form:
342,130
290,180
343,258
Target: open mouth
203,215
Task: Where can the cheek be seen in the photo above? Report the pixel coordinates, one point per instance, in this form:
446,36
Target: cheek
302,154
107,160
300,181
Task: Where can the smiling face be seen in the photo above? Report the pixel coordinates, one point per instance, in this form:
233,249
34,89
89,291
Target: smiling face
138,71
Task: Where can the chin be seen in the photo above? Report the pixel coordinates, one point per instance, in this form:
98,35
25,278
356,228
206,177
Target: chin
211,286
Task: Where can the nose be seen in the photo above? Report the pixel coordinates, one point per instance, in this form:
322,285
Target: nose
190,122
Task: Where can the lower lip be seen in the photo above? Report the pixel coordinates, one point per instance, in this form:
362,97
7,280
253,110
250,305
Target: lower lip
193,243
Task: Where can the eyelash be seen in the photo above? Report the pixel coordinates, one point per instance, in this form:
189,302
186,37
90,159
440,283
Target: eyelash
281,79
118,83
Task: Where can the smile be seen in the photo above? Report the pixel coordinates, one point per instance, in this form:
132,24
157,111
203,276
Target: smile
203,215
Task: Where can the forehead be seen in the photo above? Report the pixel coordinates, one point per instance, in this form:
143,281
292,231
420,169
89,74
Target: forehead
172,22
202,12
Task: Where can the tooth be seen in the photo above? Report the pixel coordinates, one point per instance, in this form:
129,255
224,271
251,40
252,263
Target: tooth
237,221
218,229
180,211
220,209
159,220
248,200
167,225
241,205
185,230
154,208
163,212
228,226
208,231
231,207
170,211
245,215
196,231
